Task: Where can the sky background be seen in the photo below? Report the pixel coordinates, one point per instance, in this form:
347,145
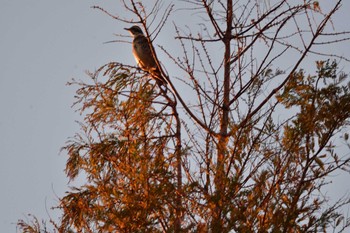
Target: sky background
43,45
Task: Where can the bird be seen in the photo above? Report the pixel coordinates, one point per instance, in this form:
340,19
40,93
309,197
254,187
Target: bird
143,54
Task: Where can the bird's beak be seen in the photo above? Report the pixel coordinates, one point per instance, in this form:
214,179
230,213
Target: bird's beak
127,29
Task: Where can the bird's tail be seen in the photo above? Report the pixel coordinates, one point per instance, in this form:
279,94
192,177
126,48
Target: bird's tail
155,73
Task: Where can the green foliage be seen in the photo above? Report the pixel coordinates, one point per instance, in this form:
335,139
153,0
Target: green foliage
324,105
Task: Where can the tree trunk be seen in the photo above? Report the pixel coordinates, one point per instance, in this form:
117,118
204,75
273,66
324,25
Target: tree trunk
217,221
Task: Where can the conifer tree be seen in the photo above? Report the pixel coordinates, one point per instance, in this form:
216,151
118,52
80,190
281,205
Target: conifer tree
241,138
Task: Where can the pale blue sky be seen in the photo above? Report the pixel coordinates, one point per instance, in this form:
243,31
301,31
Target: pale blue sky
43,45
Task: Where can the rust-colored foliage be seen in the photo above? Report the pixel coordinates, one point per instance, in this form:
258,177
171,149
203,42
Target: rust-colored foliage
237,146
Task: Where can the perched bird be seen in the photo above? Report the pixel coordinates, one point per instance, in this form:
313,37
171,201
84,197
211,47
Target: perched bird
143,54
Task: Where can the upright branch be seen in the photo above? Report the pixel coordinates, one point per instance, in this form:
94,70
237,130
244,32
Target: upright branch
222,150
140,12
242,136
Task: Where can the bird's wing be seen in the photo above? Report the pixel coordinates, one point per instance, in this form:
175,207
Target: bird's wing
142,53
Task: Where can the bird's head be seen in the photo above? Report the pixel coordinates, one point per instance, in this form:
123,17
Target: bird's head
134,30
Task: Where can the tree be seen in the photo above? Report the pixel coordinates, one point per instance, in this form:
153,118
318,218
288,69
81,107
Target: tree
231,143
